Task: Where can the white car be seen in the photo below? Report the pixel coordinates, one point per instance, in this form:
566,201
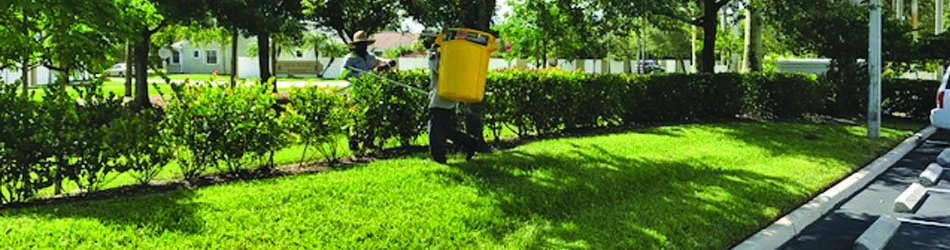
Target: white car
940,116
116,70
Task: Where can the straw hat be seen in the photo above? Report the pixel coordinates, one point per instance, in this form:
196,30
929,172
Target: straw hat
361,37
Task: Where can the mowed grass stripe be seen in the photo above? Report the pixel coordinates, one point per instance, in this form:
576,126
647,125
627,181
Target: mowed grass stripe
675,187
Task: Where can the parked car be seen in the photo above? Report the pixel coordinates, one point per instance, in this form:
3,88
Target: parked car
940,116
649,67
116,70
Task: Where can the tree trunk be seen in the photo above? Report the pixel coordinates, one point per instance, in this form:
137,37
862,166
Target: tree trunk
328,66
694,60
128,69
275,52
752,57
710,25
25,63
141,69
263,56
234,57
316,58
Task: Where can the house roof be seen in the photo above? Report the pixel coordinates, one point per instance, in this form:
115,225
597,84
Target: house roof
388,40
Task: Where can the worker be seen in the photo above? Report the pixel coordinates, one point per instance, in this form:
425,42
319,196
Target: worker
474,123
442,115
360,58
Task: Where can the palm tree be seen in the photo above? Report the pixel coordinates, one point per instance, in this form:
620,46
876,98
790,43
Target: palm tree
322,44
315,40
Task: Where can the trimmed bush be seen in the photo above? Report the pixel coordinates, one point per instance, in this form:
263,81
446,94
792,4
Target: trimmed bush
386,111
323,117
136,139
95,159
217,123
23,150
915,98
785,95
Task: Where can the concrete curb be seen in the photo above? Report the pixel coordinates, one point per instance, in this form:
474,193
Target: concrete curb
787,227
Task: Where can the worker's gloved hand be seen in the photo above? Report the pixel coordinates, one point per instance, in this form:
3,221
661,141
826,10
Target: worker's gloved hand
386,67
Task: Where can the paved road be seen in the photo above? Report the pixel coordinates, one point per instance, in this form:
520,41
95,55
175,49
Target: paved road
840,227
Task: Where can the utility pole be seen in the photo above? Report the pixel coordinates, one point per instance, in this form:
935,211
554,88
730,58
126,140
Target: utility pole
914,21
938,28
874,71
938,16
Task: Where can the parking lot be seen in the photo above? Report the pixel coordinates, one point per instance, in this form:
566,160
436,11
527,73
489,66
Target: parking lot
927,227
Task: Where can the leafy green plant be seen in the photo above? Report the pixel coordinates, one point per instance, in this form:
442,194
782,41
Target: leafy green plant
136,139
217,123
322,118
23,149
94,113
386,111
914,98
786,95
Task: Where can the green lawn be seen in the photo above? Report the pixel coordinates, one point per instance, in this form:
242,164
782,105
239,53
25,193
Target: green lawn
676,187
207,77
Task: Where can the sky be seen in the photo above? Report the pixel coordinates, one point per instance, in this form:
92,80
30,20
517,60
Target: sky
500,10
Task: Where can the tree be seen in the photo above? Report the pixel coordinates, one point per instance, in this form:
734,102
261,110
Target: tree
68,36
563,29
838,30
752,52
346,17
169,12
261,18
321,44
442,14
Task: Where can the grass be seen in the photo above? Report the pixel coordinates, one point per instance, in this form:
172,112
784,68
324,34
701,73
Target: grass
223,77
678,187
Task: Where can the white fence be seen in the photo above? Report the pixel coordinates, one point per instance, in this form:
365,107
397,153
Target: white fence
248,66
39,76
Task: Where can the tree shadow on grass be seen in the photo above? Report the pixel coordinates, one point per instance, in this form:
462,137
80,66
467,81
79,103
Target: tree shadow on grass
154,213
822,141
592,199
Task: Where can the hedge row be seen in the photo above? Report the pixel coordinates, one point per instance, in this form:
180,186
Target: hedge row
46,142
913,98
544,102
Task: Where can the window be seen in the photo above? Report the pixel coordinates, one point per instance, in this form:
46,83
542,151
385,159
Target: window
212,57
176,57
196,54
299,54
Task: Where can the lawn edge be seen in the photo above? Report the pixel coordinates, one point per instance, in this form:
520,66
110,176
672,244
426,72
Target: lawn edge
790,225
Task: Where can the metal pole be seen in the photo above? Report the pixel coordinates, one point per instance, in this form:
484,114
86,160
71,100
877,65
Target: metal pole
938,28
874,71
938,14
407,86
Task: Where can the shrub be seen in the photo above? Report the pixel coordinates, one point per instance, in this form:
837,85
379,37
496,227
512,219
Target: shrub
23,148
786,95
93,159
323,117
915,98
218,123
387,111
136,139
